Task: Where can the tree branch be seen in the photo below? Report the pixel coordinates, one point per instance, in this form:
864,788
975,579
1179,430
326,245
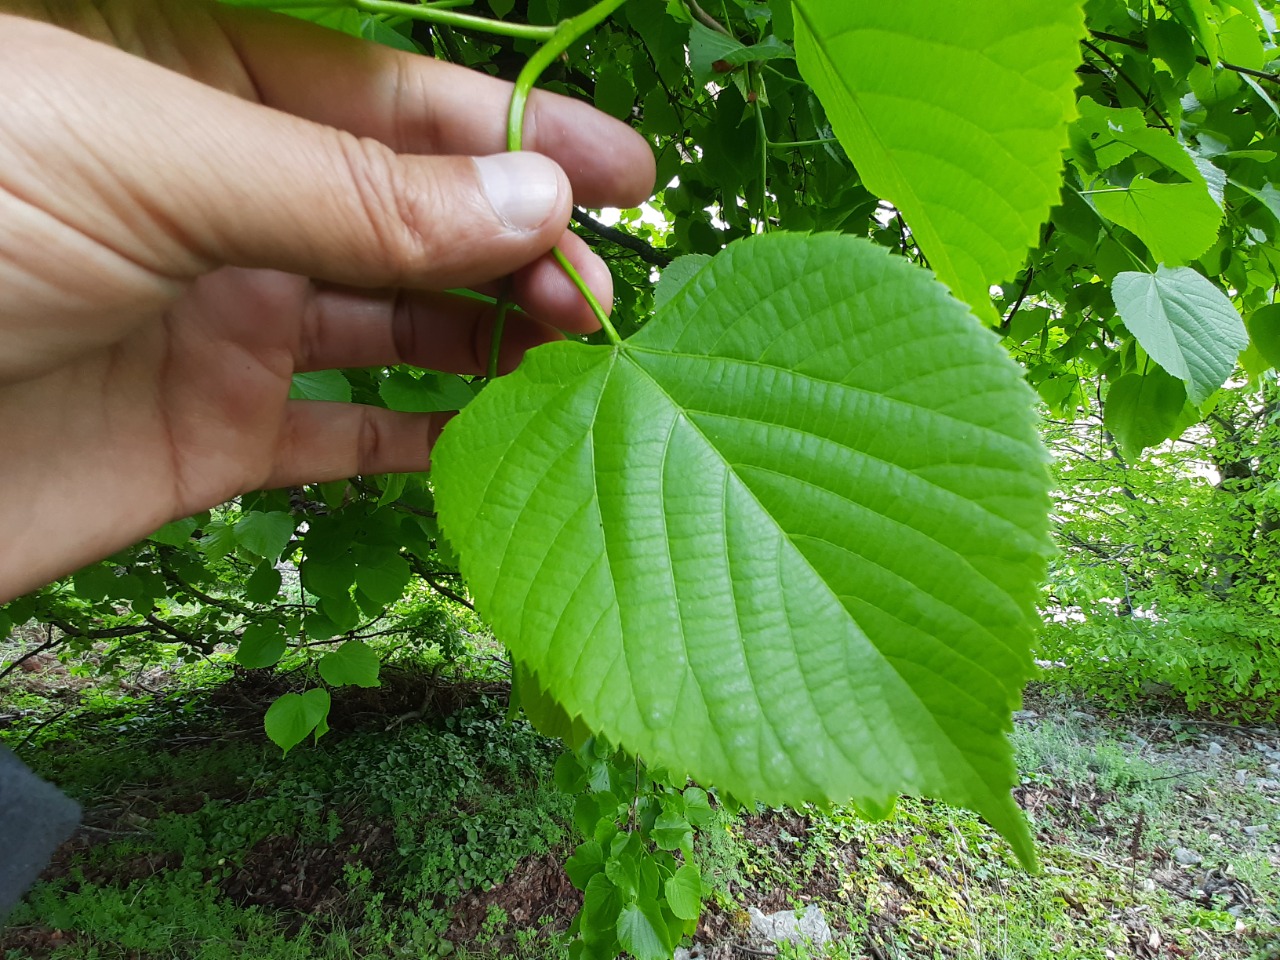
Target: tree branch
1140,45
706,18
647,252
47,645
421,570
1146,98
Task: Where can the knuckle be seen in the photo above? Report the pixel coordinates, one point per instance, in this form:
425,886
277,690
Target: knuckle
370,443
391,204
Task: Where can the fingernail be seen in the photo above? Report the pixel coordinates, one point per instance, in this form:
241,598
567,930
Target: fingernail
522,188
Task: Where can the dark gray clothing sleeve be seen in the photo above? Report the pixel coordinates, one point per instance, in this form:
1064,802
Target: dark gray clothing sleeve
35,818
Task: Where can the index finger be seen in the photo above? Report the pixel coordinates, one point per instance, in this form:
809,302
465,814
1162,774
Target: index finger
416,104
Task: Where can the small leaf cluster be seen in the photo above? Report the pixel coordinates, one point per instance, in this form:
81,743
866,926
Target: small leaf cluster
642,888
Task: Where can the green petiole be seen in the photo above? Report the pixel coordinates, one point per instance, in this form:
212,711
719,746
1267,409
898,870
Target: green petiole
565,35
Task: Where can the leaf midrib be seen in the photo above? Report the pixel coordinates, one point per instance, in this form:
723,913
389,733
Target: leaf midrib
958,751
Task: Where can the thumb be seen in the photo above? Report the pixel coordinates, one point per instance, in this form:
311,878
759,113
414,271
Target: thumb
178,178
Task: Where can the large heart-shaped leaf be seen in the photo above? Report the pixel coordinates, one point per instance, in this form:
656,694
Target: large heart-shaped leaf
1177,221
1187,325
785,539
956,112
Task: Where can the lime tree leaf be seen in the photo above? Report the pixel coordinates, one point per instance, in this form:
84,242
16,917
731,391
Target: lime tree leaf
1177,221
321,384
1185,323
957,113
601,905
1194,15
217,539
586,862
770,48
1171,42
430,393
265,534
1264,332
546,715
709,48
384,582
785,539
642,931
671,831
263,585
352,664
1142,411
177,533
294,715
380,32
261,645
615,93
675,275
683,891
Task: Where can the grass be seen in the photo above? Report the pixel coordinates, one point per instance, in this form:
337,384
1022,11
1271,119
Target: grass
440,836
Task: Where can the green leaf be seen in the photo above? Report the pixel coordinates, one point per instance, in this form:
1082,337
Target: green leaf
785,539
642,932
261,645
957,113
263,584
697,807
175,534
1240,42
294,715
1142,411
614,94
672,831
1177,221
95,582
385,581
429,393
770,48
708,49
586,862
328,385
379,32
600,908
1194,15
217,539
1171,42
352,664
675,275
341,611
329,577
683,891
1185,323
265,534
547,716
623,870
1264,332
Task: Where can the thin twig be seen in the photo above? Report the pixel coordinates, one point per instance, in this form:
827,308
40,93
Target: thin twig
1140,45
1026,286
1146,98
707,19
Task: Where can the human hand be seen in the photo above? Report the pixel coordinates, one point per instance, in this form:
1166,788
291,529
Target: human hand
179,237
